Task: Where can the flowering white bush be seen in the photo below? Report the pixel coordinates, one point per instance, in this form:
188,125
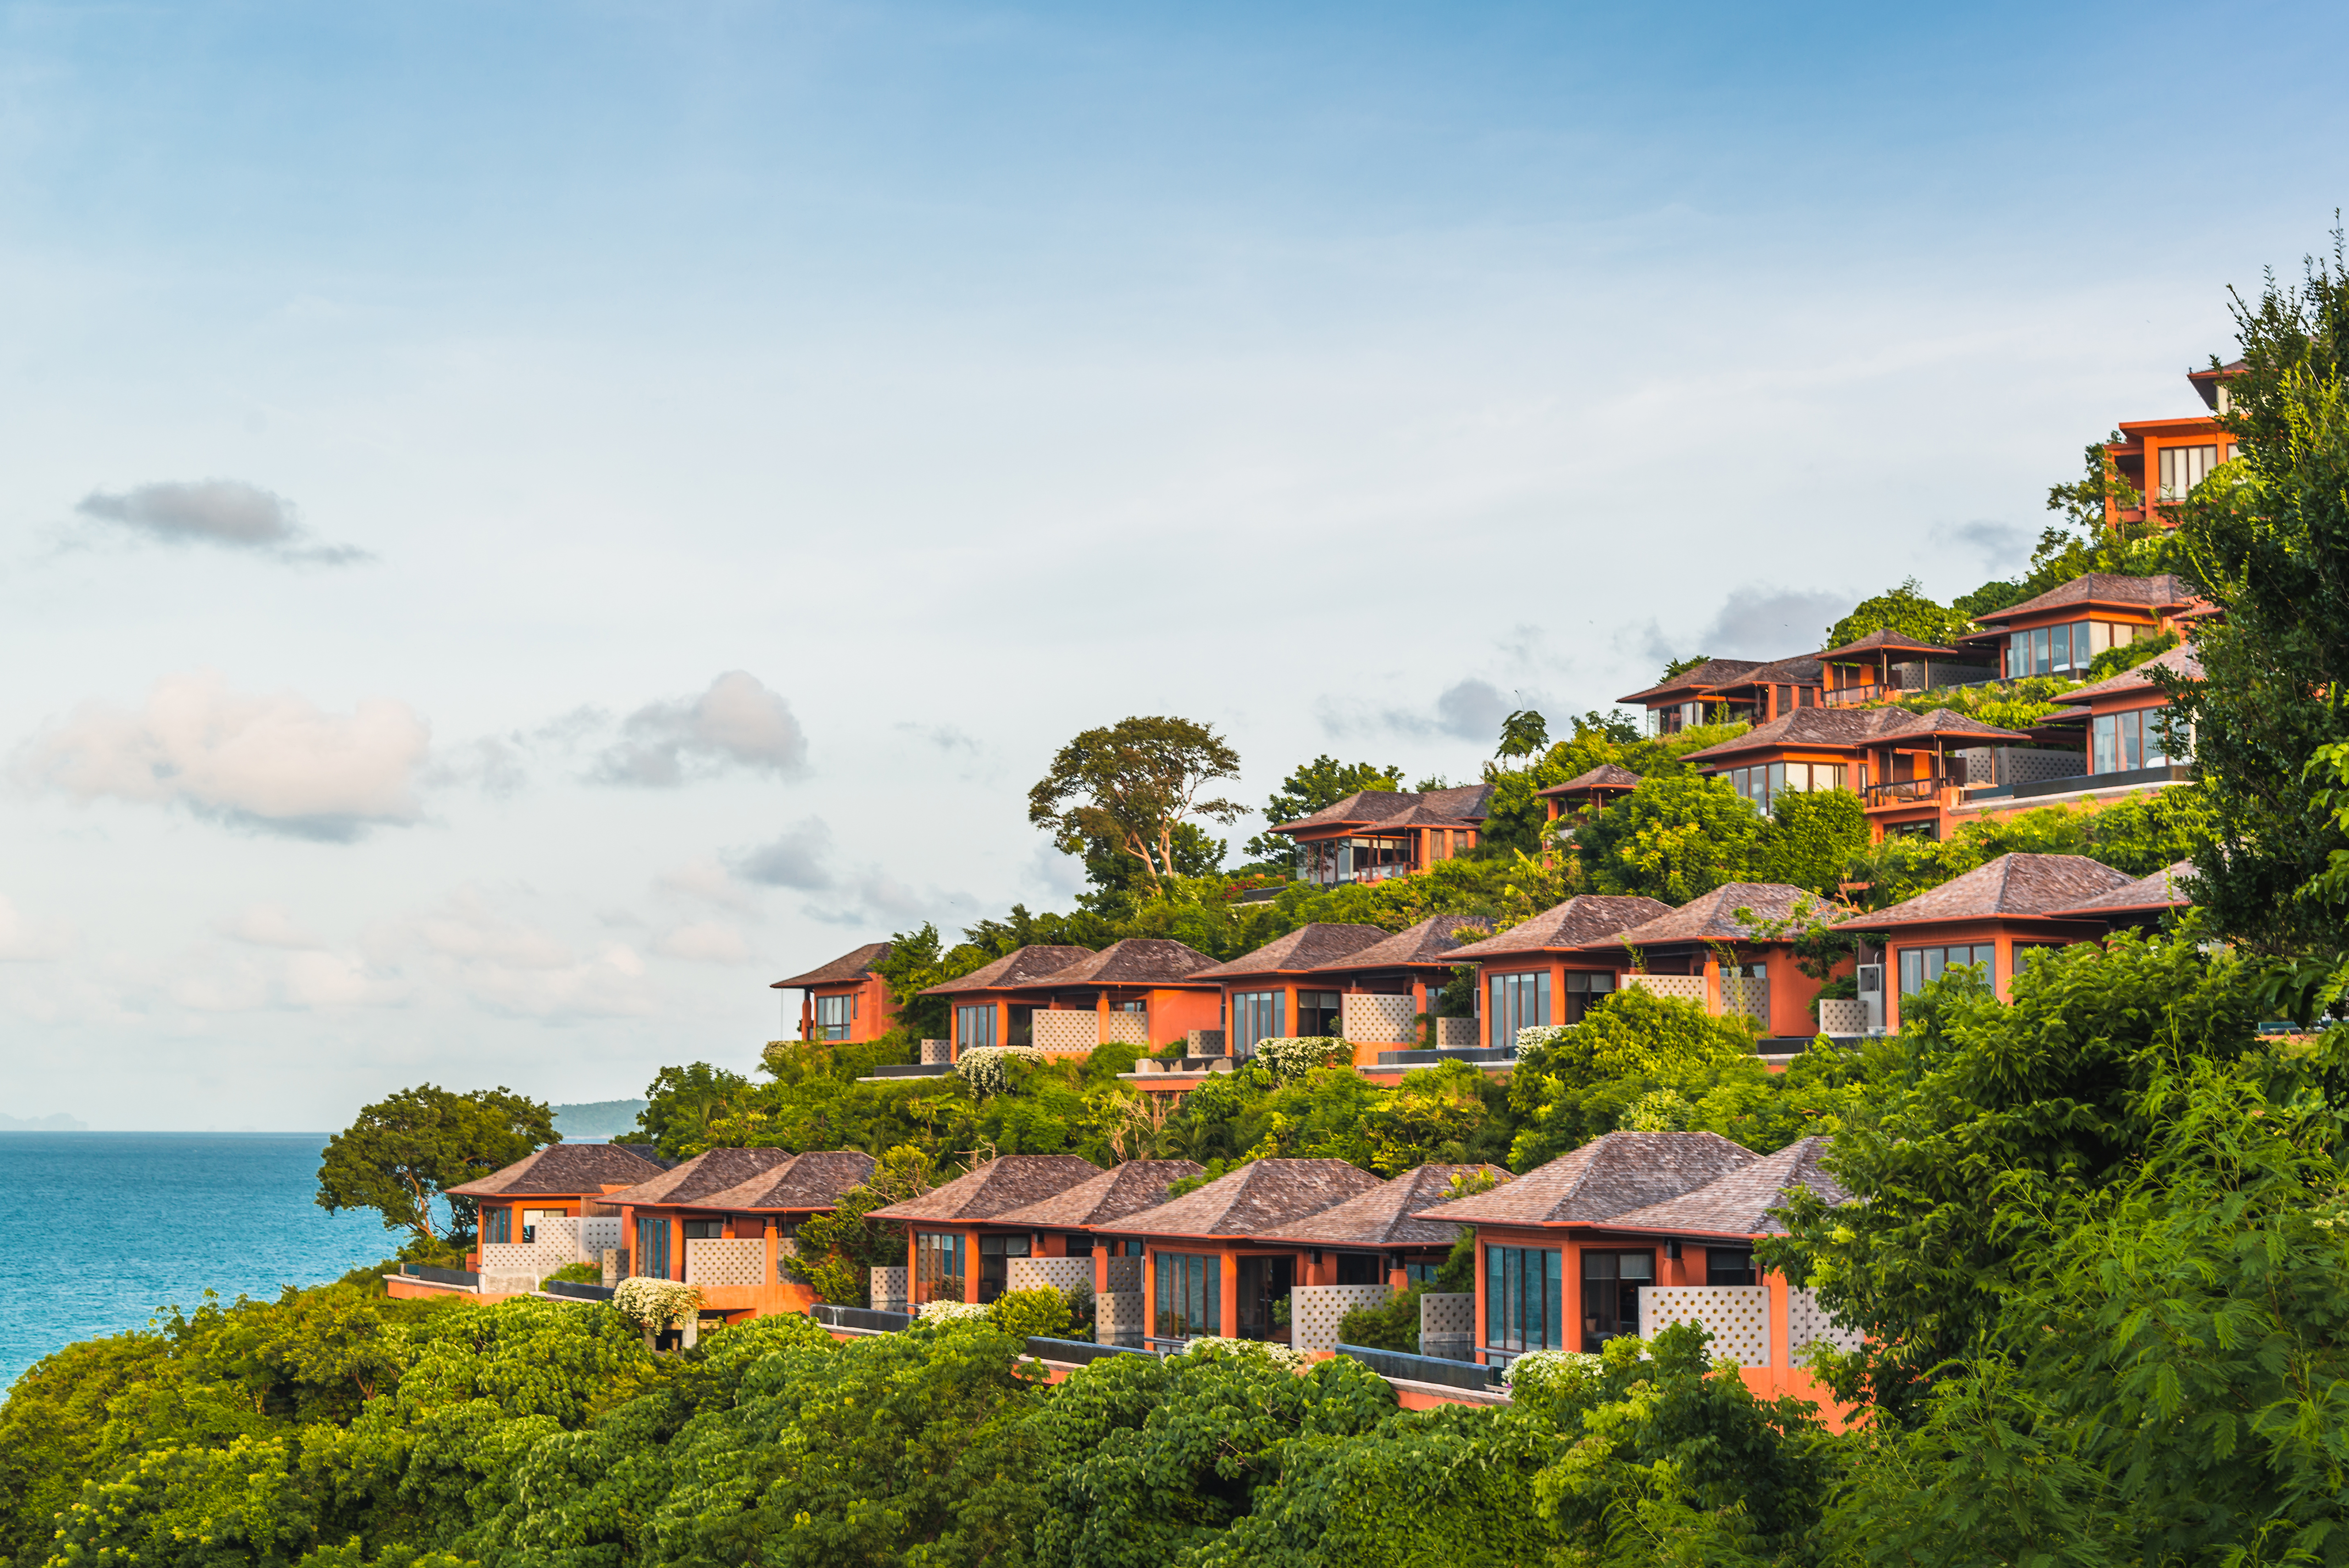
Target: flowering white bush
983,1067
656,1303
950,1311
1539,1370
1537,1035
1278,1355
1294,1056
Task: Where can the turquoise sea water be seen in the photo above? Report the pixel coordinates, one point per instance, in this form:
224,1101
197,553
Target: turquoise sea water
100,1230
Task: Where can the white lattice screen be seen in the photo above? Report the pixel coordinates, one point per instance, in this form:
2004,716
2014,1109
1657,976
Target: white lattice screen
1447,1327
1746,994
1118,1317
1063,1274
1456,1034
1843,1015
1375,1020
1065,1030
1807,1322
889,1289
596,1235
1124,1274
1130,1028
1315,1310
1738,1315
937,1051
721,1260
1684,987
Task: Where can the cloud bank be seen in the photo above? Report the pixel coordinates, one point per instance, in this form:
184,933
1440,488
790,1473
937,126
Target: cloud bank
737,723
275,764
228,513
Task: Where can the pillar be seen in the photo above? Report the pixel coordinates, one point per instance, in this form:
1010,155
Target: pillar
1477,1329
970,1266
1713,985
1229,1305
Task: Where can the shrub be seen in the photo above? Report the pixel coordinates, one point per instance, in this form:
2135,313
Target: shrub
576,1273
1391,1324
1292,1057
952,1312
988,1069
1023,1313
656,1303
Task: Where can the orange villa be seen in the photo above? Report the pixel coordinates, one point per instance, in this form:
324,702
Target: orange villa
1703,953
845,1000
1062,1224
1731,691
2163,459
1887,664
2061,632
1388,1223
1541,970
1378,833
1067,1000
1897,761
959,1246
1595,790
724,1220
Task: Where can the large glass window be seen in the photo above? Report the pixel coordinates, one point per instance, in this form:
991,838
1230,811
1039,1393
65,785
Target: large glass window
1921,967
652,1248
832,1017
2183,468
937,1265
1727,1265
1584,991
1765,781
1190,1296
1611,1294
975,1026
1317,1013
497,1224
1256,1016
2124,742
1523,1308
1516,1002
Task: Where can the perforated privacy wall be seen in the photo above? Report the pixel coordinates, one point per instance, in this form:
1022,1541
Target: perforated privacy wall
1314,1311
1063,1274
1807,1321
1376,1020
1132,1028
1686,987
1455,1034
1125,1273
1843,1015
889,1289
933,1052
1746,994
720,1260
1118,1317
1447,1313
1067,1030
597,1234
1738,1316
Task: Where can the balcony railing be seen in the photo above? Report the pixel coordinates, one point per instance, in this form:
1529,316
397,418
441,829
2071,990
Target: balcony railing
1903,792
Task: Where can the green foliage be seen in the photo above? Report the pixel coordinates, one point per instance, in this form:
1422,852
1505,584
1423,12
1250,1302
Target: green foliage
1810,839
684,1106
1312,786
1904,610
837,1250
2006,705
405,1152
1690,1072
1524,733
576,1273
1024,1313
1390,1324
1515,817
2139,834
1129,785
2128,656
1674,838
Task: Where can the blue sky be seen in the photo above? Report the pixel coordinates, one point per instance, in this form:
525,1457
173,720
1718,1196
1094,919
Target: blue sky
522,524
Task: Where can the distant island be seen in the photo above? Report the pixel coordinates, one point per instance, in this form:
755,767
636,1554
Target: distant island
61,1122
603,1118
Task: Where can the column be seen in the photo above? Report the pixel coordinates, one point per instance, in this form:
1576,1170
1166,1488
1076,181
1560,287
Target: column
1713,985
1229,1325
1002,1021
1477,1330
970,1266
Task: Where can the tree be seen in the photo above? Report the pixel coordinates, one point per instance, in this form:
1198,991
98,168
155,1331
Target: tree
838,1251
1522,734
1131,784
685,1106
1811,837
1313,787
1632,1048
404,1152
1904,610
1674,838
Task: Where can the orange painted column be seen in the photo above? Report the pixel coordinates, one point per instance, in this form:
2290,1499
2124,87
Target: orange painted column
1229,1307
1002,1022
1477,1330
970,1266
1712,986
1149,1291
1782,1360
1557,994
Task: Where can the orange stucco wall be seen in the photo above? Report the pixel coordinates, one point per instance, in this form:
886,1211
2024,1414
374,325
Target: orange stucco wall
872,1015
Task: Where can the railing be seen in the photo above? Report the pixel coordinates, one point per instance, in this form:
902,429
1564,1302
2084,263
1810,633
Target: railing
1898,790
1855,696
466,1277
832,1317
1424,1368
579,1289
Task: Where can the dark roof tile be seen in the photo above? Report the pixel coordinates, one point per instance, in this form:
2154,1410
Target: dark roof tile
1610,1175
1464,803
1852,726
1745,1202
2165,889
572,1168
1606,775
1252,1200
2012,885
1134,961
1006,1182
1020,966
1707,677
712,1171
1583,919
1430,942
813,1180
1309,947
2180,660
1119,1191
848,966
1714,916
1388,1215
2156,593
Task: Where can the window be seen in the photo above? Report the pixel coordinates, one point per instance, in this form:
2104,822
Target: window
975,1026
652,1248
1359,1268
1521,1303
1141,1006
705,1230
2044,650
497,1225
1724,1266
1921,967
1317,1013
1611,1294
1190,1296
937,1265
1256,1016
832,1016
2183,468
1762,783
994,1269
530,1219
1419,1273
2124,742
1584,991
1519,1001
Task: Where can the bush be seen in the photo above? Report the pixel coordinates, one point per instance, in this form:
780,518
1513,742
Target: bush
1391,1324
576,1273
1040,1313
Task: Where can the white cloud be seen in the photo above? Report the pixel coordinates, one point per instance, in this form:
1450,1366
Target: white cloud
267,925
333,980
1470,709
706,941
224,987
23,941
1761,622
229,513
512,967
737,723
277,763
706,881
794,859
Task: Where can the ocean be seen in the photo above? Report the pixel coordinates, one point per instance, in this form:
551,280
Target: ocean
98,1231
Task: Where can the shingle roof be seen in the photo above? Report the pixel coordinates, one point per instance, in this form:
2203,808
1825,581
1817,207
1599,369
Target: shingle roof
713,1171
1705,677
1317,946
854,965
1609,1176
1020,966
1606,775
1119,1191
1134,961
2010,885
1744,1202
1885,640
1388,1215
1429,942
812,1181
1714,916
1852,726
576,1168
2164,889
1583,919
1006,1182
1803,669
2180,660
1252,1200
2098,588
1462,804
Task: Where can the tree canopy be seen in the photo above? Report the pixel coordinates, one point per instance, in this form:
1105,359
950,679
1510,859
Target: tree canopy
1904,610
1130,785
1309,787
405,1152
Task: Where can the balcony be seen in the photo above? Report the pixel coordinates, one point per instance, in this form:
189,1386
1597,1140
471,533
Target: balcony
1924,790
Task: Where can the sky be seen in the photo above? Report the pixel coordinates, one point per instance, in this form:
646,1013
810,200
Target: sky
521,525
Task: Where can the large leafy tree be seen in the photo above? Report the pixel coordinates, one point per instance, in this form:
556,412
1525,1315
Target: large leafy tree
1131,784
405,1152
1674,838
1904,610
1312,786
